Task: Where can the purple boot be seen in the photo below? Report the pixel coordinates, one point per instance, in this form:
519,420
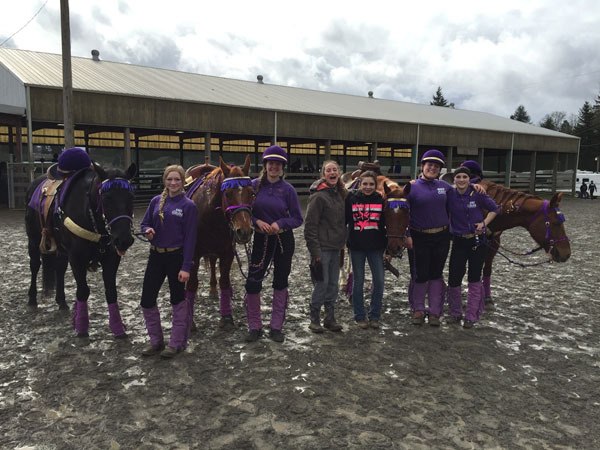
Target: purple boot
474,302
179,330
455,304
81,321
115,322
280,301
252,302
152,319
436,301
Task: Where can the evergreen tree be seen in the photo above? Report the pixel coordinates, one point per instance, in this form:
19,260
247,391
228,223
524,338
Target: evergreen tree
547,122
554,120
566,127
585,129
521,115
439,100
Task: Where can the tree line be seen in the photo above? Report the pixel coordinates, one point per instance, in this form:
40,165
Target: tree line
586,126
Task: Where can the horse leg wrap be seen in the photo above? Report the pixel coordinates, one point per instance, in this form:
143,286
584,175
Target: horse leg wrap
225,301
115,322
487,287
81,320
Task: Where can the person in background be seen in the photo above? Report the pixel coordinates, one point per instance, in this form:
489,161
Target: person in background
367,241
325,235
170,224
583,190
275,214
470,214
592,189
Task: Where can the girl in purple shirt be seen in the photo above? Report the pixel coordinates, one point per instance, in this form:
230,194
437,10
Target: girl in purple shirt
171,225
275,213
470,214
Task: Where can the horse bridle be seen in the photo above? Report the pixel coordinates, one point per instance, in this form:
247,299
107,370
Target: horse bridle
106,186
548,238
236,183
398,203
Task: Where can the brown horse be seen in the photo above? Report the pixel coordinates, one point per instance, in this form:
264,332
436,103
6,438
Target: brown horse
542,218
224,198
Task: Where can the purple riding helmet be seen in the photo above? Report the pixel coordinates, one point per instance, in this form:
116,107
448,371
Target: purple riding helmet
275,153
434,156
73,159
474,167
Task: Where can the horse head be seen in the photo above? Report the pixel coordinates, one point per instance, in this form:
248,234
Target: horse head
397,215
116,205
548,230
237,199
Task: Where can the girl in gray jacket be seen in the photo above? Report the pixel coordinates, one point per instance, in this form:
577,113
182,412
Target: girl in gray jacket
325,234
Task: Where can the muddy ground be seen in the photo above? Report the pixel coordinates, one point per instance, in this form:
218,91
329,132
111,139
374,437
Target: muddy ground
526,377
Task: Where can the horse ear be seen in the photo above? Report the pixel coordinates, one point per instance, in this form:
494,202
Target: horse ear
131,171
100,171
407,188
555,200
224,167
246,168
386,189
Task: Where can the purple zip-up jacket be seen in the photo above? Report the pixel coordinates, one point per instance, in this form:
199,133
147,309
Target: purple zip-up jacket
468,209
277,202
427,201
178,229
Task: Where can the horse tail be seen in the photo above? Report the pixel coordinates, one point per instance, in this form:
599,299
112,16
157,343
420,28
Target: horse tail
48,273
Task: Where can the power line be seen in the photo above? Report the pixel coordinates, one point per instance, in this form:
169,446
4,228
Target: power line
34,16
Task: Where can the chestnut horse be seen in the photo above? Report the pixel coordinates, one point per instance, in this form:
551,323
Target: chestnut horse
224,198
542,218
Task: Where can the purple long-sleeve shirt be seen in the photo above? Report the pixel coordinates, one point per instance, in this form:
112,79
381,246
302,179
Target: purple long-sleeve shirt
468,209
427,199
277,202
178,229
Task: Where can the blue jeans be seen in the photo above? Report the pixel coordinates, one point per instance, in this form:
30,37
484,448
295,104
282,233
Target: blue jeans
375,259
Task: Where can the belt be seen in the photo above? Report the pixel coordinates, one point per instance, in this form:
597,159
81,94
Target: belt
466,236
164,249
429,230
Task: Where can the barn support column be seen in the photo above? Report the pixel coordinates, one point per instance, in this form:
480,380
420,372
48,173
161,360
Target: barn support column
449,159
554,172
256,157
137,152
573,190
207,155
127,147
181,142
508,166
220,148
327,149
344,157
414,157
373,152
532,169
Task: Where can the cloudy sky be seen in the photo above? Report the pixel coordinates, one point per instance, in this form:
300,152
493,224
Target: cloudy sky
487,55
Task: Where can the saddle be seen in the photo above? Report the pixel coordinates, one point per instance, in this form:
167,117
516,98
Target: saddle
197,171
363,166
48,190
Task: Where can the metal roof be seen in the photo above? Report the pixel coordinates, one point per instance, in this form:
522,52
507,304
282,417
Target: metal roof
45,70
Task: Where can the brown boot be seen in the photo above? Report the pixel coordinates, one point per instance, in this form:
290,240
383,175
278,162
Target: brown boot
330,322
151,350
169,352
418,318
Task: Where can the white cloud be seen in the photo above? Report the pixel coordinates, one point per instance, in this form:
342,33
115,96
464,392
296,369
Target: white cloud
486,56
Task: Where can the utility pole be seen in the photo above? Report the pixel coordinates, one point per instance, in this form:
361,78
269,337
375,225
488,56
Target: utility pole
65,28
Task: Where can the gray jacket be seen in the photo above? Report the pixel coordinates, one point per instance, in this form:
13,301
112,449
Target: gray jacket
325,223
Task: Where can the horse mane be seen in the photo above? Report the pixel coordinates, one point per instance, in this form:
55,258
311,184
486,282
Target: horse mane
508,197
216,176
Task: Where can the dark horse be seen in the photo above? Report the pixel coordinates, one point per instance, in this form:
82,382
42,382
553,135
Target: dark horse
542,218
224,198
91,222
